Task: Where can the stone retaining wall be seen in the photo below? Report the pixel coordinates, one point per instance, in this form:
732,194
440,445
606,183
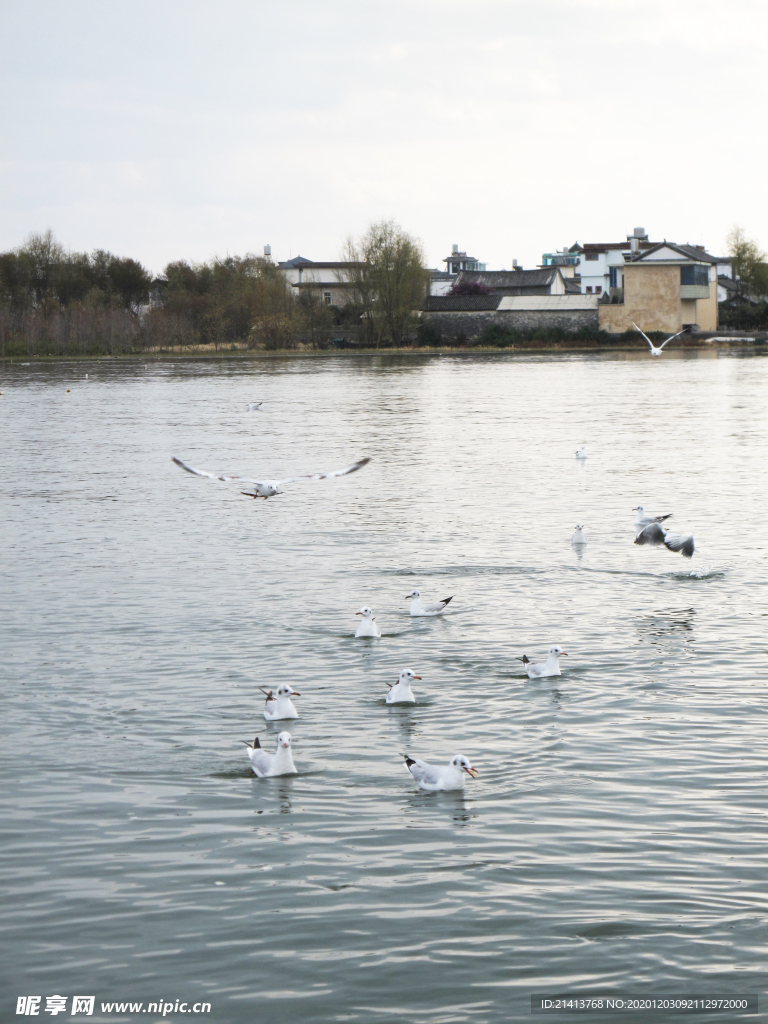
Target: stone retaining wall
468,326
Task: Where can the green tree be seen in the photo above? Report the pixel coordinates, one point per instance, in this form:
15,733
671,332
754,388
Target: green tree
387,269
748,262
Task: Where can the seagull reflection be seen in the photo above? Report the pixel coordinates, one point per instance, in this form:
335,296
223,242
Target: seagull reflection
405,717
452,803
665,626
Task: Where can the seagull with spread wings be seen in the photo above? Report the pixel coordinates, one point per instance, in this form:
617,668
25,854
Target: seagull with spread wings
269,488
657,351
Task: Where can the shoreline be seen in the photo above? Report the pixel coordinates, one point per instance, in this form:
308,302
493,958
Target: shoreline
748,343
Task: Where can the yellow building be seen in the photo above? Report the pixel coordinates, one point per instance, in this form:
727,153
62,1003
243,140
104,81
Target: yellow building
665,288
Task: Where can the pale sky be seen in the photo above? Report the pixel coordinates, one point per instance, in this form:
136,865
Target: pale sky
178,129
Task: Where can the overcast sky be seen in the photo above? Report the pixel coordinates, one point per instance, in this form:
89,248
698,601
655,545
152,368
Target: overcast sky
183,129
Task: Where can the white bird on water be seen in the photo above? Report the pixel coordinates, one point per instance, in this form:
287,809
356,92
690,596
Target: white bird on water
655,534
582,452
644,518
550,667
269,488
435,608
367,626
434,778
401,692
280,707
279,763
654,350
579,537
253,406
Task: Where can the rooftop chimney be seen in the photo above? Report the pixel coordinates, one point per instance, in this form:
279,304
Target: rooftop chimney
454,248
634,243
515,265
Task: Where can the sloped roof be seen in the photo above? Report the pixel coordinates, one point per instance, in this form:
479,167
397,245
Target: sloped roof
689,252
295,262
509,278
460,303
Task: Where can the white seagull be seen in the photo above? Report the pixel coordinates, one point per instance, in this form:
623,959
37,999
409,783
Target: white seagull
401,692
644,518
579,537
550,667
280,707
435,779
582,452
655,534
269,488
367,625
253,406
435,608
657,351
279,763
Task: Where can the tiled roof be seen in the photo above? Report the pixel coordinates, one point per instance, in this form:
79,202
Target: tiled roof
509,278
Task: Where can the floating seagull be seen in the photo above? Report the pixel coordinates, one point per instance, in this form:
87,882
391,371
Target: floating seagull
550,667
435,608
434,779
367,625
268,488
280,707
657,351
579,537
401,692
582,452
656,534
279,763
645,519
253,406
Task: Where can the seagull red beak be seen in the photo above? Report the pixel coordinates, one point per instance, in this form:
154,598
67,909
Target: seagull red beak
472,772
295,693
417,677
563,654
358,613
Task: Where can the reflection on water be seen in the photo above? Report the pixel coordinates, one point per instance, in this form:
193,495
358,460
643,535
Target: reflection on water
616,834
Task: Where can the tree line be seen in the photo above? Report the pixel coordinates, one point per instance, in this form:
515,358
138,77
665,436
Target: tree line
54,302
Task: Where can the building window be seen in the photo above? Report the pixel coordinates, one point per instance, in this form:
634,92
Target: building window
695,274
589,289
613,276
591,256
327,298
598,289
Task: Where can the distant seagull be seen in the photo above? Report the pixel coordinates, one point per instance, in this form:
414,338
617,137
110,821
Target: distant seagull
269,488
279,763
550,667
644,518
435,608
280,707
656,534
579,537
657,351
253,406
367,625
582,452
401,692
435,779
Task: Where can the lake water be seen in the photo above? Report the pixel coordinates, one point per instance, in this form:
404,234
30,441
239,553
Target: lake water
616,838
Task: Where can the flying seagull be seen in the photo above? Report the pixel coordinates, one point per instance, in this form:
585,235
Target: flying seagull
655,534
434,778
253,406
268,488
657,351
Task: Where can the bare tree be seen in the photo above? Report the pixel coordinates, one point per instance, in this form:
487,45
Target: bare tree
387,270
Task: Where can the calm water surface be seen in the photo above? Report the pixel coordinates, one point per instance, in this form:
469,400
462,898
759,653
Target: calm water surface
616,837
